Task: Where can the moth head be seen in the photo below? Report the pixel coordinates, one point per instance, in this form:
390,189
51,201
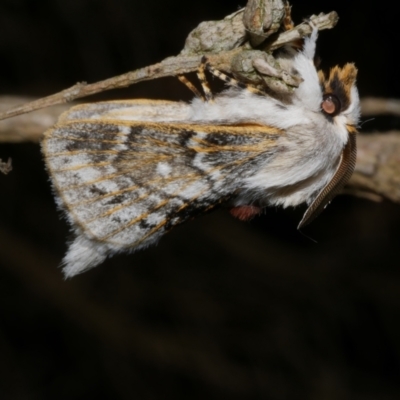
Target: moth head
340,99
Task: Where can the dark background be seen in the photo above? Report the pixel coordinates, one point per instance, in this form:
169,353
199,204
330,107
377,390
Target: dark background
220,308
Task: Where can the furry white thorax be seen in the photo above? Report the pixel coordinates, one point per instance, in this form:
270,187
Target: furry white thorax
307,154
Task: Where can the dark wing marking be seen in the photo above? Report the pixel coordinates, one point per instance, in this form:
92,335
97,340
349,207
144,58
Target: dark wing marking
340,178
125,183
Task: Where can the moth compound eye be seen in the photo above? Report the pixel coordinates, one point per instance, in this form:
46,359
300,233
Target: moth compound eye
331,105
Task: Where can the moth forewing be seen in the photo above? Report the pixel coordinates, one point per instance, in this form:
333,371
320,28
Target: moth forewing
123,184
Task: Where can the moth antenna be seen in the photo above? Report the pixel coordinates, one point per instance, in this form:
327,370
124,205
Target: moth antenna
203,80
230,81
367,120
190,86
307,237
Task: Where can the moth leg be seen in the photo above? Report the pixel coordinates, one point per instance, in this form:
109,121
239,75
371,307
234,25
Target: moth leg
190,86
228,80
201,74
245,213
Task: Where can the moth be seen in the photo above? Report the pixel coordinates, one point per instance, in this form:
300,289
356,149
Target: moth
127,172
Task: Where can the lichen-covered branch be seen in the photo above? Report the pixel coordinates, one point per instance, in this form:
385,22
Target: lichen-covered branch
220,50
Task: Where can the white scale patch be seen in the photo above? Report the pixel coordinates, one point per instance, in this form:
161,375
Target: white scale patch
163,169
156,218
198,162
194,190
126,130
129,235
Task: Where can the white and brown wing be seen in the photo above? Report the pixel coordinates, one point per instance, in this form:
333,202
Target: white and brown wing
123,184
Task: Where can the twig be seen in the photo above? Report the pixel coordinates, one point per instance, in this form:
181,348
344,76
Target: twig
30,127
321,21
378,162
378,106
27,127
171,66
378,165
